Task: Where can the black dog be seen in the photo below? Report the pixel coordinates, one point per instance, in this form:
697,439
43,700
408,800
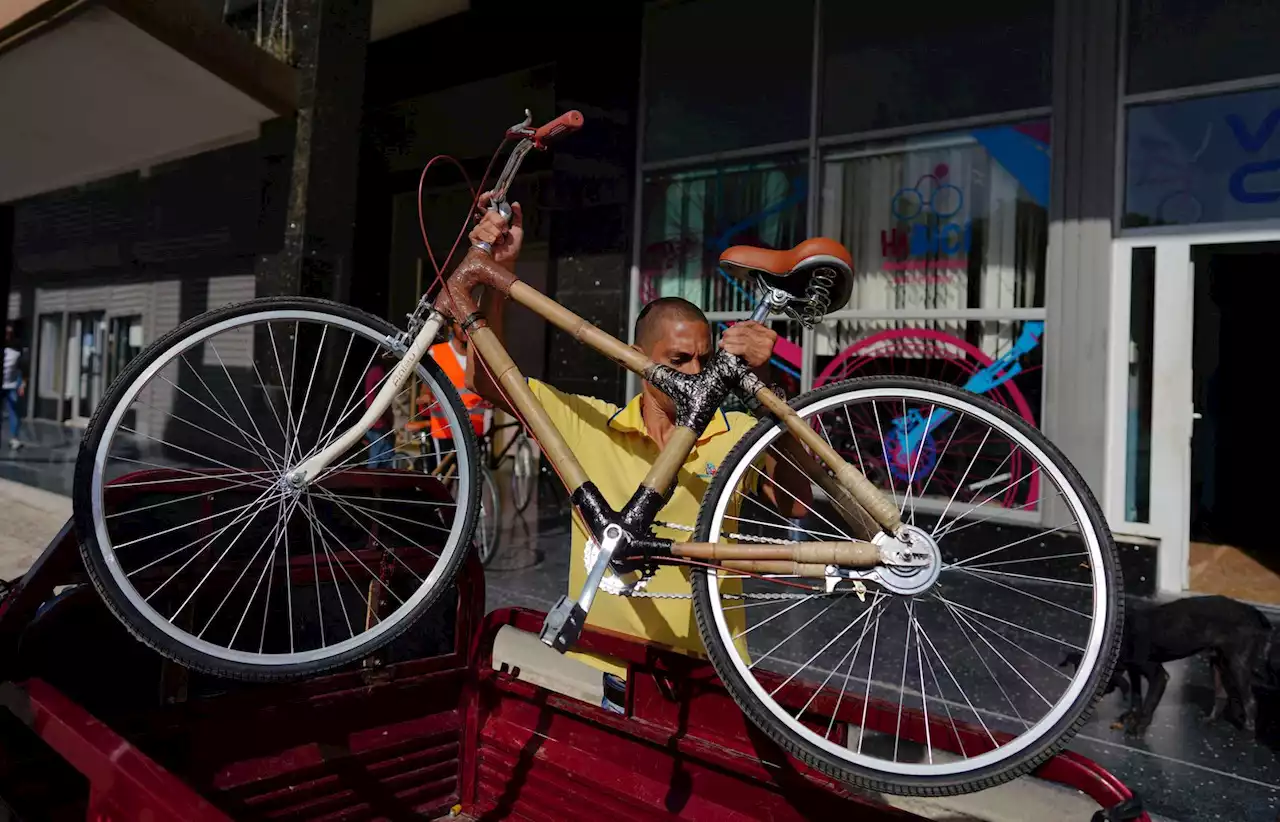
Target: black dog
1234,636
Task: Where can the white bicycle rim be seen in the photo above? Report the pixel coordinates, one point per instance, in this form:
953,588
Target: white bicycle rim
452,543
964,766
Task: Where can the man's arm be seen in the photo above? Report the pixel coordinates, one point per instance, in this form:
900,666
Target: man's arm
788,490
505,241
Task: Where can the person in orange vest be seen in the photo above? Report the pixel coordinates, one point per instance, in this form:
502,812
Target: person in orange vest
451,356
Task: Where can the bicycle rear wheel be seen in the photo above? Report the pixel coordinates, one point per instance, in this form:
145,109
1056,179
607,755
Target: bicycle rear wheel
489,524
524,472
195,538
927,681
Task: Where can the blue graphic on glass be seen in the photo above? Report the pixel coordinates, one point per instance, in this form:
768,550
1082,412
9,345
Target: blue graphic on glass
910,451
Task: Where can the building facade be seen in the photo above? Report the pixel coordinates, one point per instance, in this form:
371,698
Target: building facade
1071,206
102,270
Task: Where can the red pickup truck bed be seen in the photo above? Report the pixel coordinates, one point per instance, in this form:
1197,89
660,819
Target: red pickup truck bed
98,727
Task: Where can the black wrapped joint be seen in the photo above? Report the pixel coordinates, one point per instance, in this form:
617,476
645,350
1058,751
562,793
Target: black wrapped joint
640,512
698,397
595,509
635,520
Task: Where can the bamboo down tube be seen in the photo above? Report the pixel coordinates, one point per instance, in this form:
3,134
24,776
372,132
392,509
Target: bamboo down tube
845,554
879,506
662,474
530,410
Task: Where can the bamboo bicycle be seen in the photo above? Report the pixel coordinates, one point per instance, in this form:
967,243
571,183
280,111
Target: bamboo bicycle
845,634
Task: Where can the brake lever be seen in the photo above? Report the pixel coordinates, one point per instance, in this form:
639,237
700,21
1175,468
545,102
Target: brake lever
525,131
524,128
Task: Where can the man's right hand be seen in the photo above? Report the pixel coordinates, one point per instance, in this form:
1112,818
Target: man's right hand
505,240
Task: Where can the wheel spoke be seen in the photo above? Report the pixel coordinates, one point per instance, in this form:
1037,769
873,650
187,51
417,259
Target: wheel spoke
959,606
793,634
1049,602
213,562
942,454
231,382
267,455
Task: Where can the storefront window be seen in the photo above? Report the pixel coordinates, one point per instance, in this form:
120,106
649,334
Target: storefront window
690,216
1179,43
1001,359
954,222
1204,160
724,74
50,368
898,64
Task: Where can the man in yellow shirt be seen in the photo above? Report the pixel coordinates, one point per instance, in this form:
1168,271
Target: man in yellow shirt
616,446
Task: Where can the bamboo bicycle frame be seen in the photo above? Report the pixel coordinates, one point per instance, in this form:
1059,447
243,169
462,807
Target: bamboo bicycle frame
856,499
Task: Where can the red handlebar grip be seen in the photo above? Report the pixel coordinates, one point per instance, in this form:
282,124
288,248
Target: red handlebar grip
567,122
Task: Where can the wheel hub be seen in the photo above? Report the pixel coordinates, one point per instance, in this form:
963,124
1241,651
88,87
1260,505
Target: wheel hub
911,581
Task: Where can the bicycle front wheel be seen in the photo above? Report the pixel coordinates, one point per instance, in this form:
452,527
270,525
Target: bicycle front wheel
945,679
192,532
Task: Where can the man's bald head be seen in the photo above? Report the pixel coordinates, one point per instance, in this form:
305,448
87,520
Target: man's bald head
657,313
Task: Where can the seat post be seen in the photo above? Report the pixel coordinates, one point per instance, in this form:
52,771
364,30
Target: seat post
774,299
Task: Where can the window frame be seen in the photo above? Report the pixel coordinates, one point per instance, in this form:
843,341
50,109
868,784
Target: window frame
1126,100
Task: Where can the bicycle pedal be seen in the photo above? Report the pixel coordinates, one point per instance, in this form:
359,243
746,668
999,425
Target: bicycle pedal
563,625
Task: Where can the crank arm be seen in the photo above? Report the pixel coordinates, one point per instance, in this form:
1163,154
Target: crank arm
565,621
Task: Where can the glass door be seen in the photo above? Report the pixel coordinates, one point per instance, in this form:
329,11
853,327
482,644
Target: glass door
86,347
1187,460
1232,452
1149,394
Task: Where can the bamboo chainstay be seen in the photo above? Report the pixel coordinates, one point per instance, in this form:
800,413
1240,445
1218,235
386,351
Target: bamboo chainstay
640,593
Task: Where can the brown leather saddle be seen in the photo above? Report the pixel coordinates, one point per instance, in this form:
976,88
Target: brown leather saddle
816,276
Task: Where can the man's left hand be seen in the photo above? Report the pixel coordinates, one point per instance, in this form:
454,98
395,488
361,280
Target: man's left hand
751,341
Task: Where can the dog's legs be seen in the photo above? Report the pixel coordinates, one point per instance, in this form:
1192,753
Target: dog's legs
1220,695
1239,679
1157,679
1135,691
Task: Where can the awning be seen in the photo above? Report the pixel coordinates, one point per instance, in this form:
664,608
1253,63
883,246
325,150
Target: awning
92,89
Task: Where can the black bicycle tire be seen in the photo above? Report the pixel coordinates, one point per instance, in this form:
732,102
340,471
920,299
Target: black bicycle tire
105,583
523,445
990,776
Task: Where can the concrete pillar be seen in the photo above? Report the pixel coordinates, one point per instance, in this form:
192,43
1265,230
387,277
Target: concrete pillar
331,40
1085,85
598,73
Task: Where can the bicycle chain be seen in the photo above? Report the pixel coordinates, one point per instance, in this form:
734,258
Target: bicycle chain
639,593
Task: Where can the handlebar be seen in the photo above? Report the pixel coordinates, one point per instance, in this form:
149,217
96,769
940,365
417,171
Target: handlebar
566,123
530,137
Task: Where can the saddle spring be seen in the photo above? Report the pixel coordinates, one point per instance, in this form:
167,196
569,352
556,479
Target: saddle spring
817,296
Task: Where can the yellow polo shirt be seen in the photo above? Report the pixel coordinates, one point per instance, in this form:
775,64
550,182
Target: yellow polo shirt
616,452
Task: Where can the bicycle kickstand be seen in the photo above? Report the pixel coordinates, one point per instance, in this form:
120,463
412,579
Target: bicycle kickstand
564,623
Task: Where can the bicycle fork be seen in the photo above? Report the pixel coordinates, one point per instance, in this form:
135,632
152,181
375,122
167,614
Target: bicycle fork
313,468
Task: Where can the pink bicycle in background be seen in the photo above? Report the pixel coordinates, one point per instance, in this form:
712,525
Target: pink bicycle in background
911,453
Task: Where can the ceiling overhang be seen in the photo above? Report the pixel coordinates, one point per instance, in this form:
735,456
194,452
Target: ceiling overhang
90,89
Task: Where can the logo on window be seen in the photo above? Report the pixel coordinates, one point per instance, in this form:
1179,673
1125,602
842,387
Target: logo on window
932,237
